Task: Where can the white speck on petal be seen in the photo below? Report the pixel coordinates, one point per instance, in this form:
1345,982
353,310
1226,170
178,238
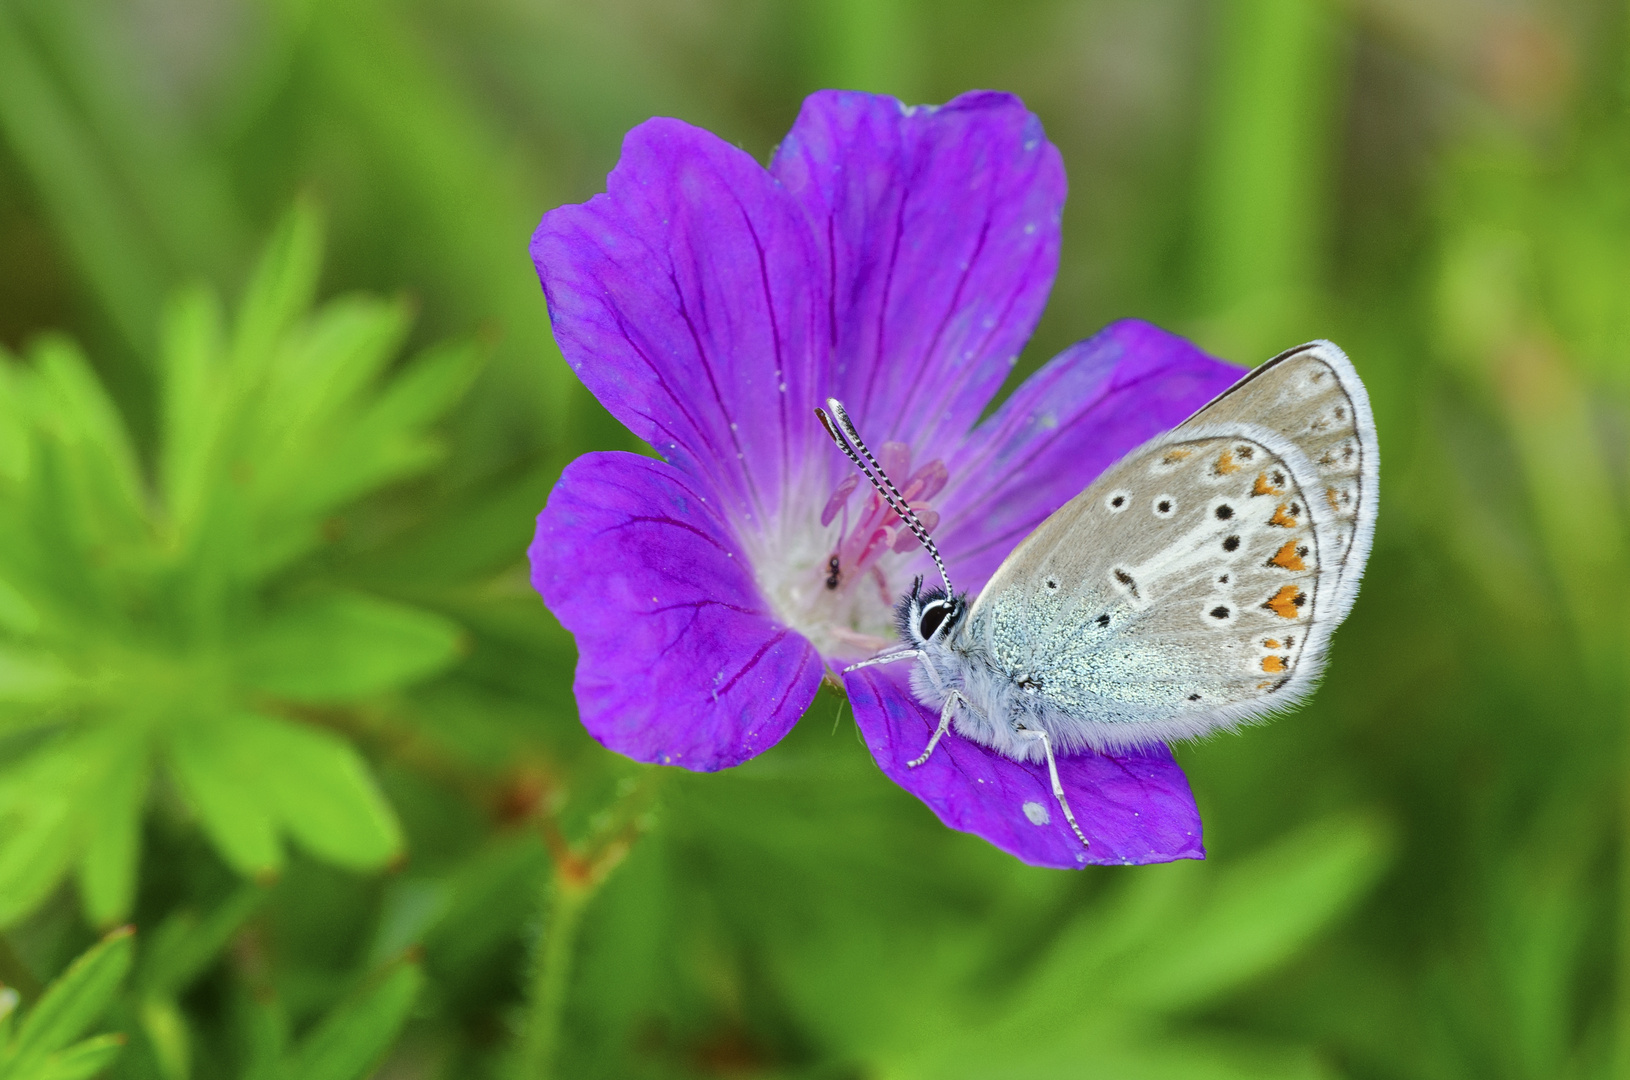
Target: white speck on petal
1037,813
1030,228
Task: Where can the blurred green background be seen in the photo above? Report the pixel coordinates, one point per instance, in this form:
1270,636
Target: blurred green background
278,403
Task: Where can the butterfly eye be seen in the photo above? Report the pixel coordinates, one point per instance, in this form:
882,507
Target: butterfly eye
932,618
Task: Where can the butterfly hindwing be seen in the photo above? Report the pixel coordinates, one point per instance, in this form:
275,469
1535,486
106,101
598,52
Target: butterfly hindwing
1314,398
1195,583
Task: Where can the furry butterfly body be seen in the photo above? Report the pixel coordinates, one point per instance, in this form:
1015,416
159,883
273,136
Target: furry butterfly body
1191,588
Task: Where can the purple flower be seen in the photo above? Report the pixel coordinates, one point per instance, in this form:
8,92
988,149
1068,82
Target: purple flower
896,259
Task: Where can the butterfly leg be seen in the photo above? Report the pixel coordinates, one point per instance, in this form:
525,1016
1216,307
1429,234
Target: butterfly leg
1052,772
952,698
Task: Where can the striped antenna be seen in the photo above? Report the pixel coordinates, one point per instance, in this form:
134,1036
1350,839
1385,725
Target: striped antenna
842,430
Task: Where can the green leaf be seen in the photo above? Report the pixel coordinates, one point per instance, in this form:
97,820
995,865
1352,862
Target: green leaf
107,865
106,483
30,675
76,1000
220,776
184,945
48,803
1259,914
386,442
323,794
165,1026
352,1039
194,410
78,1062
280,291
72,181
252,777
347,646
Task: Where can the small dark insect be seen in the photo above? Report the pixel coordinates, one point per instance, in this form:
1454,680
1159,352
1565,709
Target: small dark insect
832,576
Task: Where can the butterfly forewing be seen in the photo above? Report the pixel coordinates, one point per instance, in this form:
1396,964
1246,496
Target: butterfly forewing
1195,583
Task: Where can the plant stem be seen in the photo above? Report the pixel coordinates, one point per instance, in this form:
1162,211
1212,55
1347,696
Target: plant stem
578,875
566,896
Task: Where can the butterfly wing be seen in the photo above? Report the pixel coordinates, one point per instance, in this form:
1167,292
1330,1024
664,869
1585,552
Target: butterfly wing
1195,584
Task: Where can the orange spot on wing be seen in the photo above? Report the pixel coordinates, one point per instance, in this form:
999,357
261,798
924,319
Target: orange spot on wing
1285,602
1282,519
1288,558
1273,664
1333,499
1174,456
1262,487
1271,643
1225,463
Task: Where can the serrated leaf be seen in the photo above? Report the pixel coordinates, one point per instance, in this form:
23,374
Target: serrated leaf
352,1039
76,1000
346,646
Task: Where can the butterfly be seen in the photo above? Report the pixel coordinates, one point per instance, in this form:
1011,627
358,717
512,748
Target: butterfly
1193,587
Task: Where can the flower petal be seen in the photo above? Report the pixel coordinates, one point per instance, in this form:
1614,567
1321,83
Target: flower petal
1087,408
678,662
684,298
939,230
1133,808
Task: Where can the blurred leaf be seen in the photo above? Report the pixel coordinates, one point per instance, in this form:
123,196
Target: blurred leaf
221,776
68,1007
320,790
184,945
1259,913
352,1038
65,797
252,777
341,647
38,122
77,1062
135,626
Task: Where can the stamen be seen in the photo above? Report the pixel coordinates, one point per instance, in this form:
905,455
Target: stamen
840,498
843,433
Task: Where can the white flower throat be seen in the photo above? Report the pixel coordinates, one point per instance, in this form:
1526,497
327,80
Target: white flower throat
836,578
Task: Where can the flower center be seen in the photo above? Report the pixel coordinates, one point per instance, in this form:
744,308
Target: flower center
836,580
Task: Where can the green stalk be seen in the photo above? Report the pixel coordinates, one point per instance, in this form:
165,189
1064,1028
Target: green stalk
565,897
